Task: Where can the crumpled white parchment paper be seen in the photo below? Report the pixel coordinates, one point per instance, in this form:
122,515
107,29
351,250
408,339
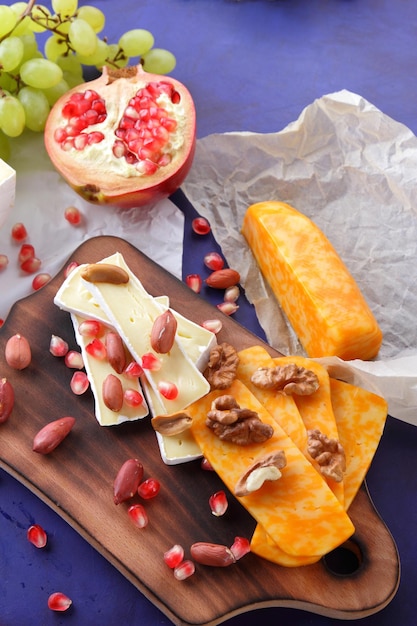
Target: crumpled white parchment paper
353,171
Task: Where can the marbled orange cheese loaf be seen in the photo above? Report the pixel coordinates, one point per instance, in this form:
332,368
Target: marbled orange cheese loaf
312,284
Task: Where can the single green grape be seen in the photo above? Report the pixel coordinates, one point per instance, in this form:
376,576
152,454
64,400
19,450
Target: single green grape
136,42
11,53
55,46
40,73
23,26
54,93
8,82
92,16
70,63
36,107
12,116
158,61
7,20
30,46
98,57
82,37
65,7
72,79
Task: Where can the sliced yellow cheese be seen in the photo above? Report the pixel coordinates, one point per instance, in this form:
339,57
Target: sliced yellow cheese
264,546
312,284
299,511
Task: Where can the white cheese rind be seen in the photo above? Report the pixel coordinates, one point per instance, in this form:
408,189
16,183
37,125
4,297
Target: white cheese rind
7,190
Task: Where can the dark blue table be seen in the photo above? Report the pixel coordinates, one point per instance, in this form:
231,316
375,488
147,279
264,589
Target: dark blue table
250,66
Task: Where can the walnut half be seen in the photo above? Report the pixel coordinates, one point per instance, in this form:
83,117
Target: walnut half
328,453
238,425
288,379
266,468
222,366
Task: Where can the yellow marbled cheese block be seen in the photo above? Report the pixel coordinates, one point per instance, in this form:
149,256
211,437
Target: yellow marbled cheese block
312,284
299,511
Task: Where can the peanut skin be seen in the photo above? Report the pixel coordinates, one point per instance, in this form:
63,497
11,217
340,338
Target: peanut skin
223,279
17,352
163,332
116,354
112,393
212,554
6,399
51,435
127,480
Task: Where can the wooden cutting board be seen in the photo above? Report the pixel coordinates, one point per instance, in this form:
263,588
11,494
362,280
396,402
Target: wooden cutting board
76,481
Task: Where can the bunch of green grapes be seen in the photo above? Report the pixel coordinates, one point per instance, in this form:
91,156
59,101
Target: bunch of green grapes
33,76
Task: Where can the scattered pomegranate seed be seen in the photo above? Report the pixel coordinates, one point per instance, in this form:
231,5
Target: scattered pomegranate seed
73,215
133,370
200,226
31,266
138,515
40,280
218,503
214,326
228,308
194,282
151,362
240,547
168,390
213,261
74,360
184,570
37,536
19,232
149,488
132,397
4,261
79,383
174,556
58,346
231,294
59,601
1,322
70,267
90,328
206,465
26,252
96,349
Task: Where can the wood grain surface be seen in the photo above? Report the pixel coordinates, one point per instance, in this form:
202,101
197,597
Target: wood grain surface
76,481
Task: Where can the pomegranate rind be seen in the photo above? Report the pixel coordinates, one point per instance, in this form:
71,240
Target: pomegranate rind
92,178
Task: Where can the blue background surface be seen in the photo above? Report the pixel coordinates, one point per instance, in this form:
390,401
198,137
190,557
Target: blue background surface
250,66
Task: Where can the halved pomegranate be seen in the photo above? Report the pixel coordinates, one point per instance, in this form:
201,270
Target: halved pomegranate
126,138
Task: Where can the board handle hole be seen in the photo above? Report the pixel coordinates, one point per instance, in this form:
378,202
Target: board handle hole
344,560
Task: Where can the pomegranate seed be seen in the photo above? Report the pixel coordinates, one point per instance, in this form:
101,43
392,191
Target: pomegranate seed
174,556
213,261
214,326
151,362
133,370
138,515
90,328
184,570
79,383
218,503
228,308
240,547
231,294
73,215
58,346
31,266
96,349
40,280
19,232
37,536
95,137
26,252
206,465
74,360
4,261
70,267
200,226
168,390
194,281
1,322
132,397
149,488
80,141
59,601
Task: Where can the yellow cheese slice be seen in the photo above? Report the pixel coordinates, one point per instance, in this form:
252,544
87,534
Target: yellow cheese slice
312,284
299,511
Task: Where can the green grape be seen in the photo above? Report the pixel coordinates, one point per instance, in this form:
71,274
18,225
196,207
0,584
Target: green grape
70,63
55,46
8,82
11,53
7,20
36,107
158,61
12,116
4,147
136,42
65,7
40,73
23,25
54,93
98,57
30,46
92,16
82,37
40,16
73,79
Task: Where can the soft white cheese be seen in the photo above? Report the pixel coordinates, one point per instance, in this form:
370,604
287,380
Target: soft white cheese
7,190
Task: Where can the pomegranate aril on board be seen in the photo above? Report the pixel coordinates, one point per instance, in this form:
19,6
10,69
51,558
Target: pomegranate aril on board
174,556
58,346
40,280
194,282
218,503
79,383
149,488
184,570
138,515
